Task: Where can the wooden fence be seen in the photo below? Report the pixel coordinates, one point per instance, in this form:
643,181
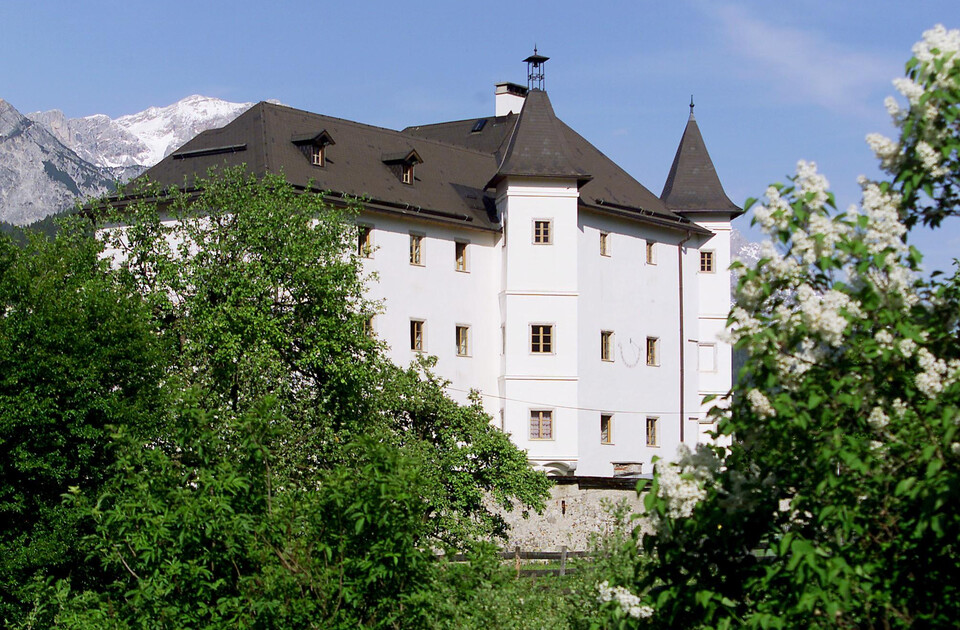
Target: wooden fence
518,556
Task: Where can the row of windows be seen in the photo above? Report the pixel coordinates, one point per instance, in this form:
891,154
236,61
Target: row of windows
542,235
541,427
541,341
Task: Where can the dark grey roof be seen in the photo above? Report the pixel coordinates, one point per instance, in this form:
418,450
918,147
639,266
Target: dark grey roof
537,146
693,185
449,183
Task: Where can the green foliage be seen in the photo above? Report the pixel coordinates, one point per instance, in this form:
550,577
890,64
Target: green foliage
77,355
833,503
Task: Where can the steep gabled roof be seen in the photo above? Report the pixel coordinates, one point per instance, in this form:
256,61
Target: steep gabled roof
538,146
693,185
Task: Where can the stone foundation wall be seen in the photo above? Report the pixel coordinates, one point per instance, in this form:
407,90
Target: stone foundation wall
576,509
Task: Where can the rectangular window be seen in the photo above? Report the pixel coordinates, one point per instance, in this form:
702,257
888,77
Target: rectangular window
706,262
541,338
416,249
653,437
606,428
651,253
541,424
416,335
407,174
604,244
316,155
368,326
606,345
541,232
653,351
365,241
463,341
461,256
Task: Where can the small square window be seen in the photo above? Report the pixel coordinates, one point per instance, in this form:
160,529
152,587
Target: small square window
541,424
365,242
406,175
604,244
416,249
541,338
653,434
606,345
416,335
651,253
463,341
542,232
460,250
606,428
653,351
706,262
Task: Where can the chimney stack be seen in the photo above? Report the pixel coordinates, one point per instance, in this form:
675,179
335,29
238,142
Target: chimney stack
509,98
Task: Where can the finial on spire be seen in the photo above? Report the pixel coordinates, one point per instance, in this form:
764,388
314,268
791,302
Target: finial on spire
535,64
691,106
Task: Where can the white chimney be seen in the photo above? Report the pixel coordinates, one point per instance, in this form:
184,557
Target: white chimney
510,97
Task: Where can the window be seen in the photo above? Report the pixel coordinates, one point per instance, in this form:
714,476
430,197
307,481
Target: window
541,232
368,326
606,428
604,244
653,351
606,345
706,262
416,249
541,424
365,242
316,154
653,437
651,253
406,175
541,338
460,250
463,341
416,335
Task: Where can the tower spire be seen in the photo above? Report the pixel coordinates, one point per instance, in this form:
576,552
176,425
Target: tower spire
691,107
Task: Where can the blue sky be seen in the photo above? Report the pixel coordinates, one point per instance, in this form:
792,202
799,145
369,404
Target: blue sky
773,81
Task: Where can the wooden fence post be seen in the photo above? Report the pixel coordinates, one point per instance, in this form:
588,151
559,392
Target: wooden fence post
517,556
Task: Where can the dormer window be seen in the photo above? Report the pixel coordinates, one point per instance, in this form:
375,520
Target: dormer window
314,146
402,163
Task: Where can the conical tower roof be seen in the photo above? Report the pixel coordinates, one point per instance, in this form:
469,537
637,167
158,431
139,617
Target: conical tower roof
537,146
693,185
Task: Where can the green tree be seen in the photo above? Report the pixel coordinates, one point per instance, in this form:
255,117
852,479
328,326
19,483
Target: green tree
835,503
78,354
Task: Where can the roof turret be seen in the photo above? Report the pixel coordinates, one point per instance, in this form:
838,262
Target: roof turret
693,185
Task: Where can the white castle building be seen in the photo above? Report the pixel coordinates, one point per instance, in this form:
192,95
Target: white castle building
582,307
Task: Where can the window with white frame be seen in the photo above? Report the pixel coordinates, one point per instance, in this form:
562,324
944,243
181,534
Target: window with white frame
653,351
604,244
463,341
606,428
317,154
460,253
606,345
541,338
542,232
406,174
541,424
417,339
416,249
651,252
653,433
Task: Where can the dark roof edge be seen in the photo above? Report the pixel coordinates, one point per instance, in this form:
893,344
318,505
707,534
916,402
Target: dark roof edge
681,224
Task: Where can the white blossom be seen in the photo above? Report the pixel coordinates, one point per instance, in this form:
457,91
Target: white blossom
760,404
878,419
628,602
809,181
884,339
886,150
908,347
910,89
930,159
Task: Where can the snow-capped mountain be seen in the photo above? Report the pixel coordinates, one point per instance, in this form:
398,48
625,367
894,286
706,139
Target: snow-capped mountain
40,176
47,160
140,139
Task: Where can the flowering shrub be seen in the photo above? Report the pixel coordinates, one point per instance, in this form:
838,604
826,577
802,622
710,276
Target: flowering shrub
835,503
